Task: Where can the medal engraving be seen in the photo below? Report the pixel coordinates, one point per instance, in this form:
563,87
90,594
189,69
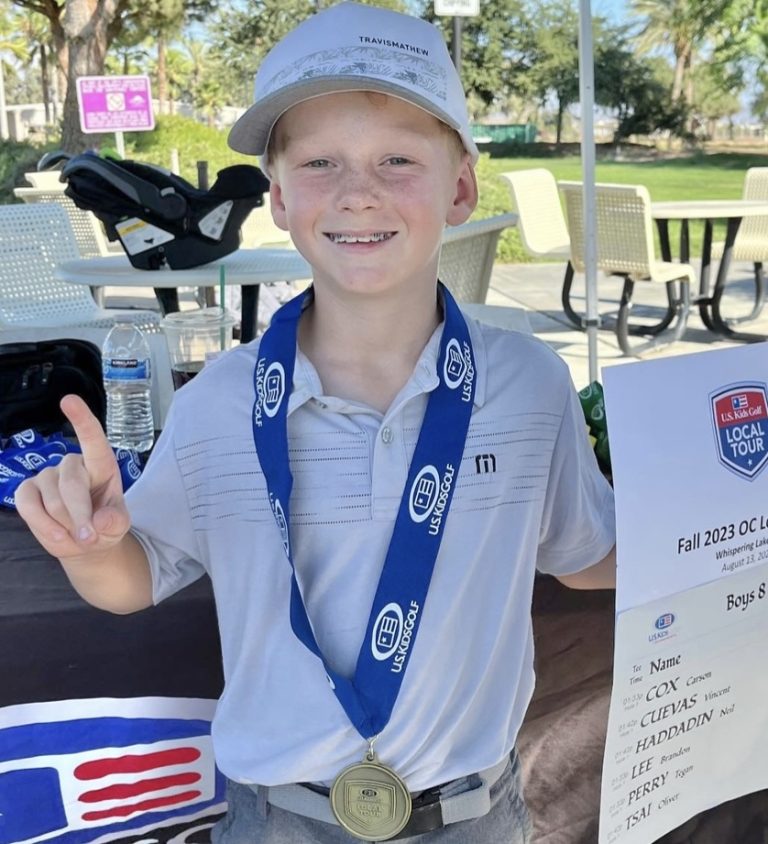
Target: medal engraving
370,801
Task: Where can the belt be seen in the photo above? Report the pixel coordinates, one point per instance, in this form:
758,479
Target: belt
431,809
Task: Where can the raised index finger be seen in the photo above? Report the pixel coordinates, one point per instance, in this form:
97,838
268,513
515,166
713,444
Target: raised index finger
98,456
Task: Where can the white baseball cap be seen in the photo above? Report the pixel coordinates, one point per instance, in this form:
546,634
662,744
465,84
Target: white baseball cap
351,47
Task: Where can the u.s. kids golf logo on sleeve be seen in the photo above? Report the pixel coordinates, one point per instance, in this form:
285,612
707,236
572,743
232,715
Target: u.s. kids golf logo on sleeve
740,419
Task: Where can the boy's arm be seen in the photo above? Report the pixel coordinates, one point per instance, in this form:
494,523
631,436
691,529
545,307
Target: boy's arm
77,512
601,575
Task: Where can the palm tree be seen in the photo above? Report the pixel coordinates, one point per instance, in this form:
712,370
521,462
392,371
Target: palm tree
684,26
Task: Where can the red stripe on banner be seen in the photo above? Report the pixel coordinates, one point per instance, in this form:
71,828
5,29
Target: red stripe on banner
143,806
121,791
136,764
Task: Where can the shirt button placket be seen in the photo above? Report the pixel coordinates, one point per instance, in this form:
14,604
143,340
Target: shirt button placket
387,480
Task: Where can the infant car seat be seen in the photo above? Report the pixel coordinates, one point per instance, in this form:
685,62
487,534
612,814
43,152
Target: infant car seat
158,217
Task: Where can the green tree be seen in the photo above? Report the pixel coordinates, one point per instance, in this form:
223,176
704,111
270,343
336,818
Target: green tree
553,72
243,35
685,26
554,68
12,43
716,96
637,89
81,33
759,103
494,49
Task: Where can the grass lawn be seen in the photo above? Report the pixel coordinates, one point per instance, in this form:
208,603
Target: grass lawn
716,176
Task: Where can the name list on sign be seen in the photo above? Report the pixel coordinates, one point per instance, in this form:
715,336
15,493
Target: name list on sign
688,727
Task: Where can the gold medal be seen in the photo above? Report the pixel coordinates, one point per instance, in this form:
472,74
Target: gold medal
370,800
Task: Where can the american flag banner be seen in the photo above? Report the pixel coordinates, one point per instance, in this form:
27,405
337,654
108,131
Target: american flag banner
102,769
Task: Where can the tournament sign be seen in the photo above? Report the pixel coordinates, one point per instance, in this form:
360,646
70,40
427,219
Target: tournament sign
688,728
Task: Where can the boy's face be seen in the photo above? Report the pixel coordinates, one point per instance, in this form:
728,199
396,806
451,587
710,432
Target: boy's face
365,183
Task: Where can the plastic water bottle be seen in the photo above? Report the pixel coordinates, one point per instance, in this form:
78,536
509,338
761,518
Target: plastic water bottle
127,381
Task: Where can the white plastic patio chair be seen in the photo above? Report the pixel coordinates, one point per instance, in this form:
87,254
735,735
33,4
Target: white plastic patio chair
467,256
88,230
44,179
751,242
33,240
90,237
625,247
542,225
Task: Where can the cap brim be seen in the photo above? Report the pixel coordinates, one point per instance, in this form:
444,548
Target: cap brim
250,134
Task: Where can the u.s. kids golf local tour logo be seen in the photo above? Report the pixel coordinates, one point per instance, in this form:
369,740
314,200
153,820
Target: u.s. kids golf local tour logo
740,419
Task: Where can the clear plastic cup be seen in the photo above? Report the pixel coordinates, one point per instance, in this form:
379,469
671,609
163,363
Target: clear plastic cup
195,337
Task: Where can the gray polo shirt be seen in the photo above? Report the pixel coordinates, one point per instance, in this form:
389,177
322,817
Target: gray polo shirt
528,494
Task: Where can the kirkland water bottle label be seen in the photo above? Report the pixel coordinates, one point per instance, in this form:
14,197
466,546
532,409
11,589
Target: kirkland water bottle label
125,369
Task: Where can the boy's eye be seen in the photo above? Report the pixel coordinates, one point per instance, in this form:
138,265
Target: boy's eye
398,159
318,162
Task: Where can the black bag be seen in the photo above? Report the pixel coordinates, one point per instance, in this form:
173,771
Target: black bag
34,377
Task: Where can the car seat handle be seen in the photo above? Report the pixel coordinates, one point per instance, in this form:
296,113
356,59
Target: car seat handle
168,204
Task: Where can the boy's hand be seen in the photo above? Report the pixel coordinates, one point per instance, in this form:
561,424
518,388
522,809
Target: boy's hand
76,509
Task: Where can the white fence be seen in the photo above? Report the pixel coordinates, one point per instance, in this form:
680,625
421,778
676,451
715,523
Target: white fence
29,118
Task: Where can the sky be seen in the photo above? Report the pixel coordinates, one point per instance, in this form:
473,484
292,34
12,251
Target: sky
614,10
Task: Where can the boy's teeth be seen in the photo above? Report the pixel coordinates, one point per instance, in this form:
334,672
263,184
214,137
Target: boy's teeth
368,238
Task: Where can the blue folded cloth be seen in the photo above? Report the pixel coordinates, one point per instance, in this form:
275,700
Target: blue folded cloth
26,453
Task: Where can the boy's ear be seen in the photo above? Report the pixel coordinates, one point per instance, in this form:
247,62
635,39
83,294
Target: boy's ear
278,206
465,196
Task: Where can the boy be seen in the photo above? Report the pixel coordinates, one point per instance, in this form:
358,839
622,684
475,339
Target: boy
374,686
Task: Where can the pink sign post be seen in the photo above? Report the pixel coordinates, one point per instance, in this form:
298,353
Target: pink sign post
115,104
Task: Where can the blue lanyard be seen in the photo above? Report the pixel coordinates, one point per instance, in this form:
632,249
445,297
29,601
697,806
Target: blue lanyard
368,697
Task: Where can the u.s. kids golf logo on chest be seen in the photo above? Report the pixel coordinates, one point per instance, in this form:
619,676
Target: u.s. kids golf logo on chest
270,389
740,420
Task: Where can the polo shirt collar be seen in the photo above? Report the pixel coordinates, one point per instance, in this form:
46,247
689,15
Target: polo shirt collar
307,386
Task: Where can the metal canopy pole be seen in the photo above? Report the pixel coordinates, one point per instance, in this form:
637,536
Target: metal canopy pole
587,99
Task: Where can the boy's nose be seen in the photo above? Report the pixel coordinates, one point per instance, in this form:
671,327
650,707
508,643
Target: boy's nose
357,191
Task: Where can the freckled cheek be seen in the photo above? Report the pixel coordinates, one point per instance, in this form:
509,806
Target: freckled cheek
304,205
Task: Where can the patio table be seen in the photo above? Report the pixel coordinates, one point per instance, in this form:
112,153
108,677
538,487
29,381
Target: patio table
247,267
732,211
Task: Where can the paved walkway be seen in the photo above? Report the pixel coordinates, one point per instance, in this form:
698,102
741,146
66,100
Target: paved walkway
536,288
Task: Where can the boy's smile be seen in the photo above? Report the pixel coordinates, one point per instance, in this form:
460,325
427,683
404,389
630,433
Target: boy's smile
375,237
365,183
